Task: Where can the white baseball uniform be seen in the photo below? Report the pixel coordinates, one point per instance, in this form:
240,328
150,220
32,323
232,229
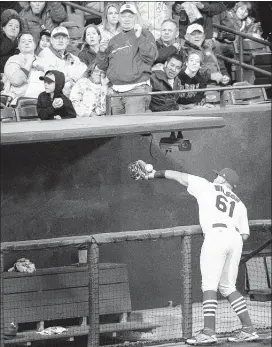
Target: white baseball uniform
223,217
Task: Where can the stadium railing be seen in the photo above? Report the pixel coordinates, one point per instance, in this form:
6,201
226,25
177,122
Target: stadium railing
147,323
240,62
225,99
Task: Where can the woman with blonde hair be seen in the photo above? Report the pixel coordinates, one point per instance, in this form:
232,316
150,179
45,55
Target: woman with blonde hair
110,22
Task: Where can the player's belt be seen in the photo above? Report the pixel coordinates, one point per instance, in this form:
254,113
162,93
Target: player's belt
222,225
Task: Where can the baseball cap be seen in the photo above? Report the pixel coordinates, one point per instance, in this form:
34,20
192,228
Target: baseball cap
48,79
230,176
194,27
60,31
128,7
45,32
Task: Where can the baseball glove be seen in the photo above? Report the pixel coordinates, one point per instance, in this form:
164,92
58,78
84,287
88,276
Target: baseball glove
137,170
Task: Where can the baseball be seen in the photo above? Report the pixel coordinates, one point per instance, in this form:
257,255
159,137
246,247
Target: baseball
149,167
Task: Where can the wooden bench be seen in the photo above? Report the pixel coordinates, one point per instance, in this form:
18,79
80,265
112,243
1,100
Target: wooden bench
61,293
258,277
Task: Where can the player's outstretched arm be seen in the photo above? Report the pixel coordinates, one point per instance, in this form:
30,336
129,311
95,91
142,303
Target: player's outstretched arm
139,170
180,177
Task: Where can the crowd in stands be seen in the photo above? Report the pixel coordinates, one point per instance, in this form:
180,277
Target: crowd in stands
135,47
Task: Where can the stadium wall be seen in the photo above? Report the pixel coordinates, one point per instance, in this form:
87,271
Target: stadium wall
82,187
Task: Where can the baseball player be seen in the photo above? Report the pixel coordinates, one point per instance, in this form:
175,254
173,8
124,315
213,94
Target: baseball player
224,222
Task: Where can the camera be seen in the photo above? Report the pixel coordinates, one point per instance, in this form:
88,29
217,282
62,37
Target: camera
173,143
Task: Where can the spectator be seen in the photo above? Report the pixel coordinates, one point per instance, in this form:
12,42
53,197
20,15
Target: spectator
41,15
56,57
166,44
166,79
88,95
44,41
11,27
75,34
20,75
187,13
191,78
213,70
90,47
52,103
238,19
151,14
242,21
127,59
110,22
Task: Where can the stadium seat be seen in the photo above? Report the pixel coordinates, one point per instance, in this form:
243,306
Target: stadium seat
245,96
255,54
26,109
8,114
5,99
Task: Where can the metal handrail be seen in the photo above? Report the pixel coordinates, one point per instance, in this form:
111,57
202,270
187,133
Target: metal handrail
250,67
244,35
220,90
241,50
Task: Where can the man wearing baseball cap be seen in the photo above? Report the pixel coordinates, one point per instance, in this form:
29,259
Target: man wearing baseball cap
224,222
127,59
214,70
75,34
56,57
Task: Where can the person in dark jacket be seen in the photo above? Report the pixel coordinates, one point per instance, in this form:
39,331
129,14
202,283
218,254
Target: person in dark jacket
191,78
39,15
165,80
52,103
212,68
167,44
127,60
11,26
91,40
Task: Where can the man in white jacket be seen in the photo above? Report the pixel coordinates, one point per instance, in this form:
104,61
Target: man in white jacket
56,57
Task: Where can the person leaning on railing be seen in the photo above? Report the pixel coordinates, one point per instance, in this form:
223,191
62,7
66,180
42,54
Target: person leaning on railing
212,69
165,78
191,78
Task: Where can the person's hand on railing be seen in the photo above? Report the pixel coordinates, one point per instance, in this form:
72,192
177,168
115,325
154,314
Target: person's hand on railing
217,77
225,79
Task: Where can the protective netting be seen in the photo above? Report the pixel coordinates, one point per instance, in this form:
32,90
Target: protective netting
140,290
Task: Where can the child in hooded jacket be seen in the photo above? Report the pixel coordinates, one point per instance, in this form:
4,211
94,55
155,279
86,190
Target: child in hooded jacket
52,103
